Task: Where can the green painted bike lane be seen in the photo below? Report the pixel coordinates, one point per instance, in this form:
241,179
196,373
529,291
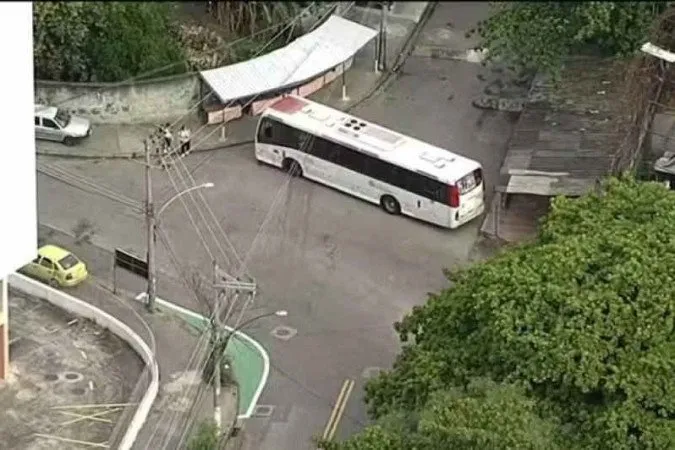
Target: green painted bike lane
250,362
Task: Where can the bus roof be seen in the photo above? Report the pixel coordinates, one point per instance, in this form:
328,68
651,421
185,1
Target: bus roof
372,139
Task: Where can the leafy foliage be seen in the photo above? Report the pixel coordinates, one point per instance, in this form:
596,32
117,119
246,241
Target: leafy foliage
104,41
582,319
205,437
541,35
484,415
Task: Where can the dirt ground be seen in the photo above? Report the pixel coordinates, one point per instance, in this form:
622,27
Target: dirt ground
58,360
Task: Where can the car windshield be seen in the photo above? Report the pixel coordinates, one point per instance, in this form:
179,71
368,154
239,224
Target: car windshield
68,261
62,118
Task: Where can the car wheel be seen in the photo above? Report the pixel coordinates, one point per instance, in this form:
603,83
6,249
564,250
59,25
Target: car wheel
69,141
390,205
53,283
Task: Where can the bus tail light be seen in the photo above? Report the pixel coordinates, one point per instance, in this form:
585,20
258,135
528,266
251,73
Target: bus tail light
453,196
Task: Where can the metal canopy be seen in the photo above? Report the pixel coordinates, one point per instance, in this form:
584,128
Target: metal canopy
310,55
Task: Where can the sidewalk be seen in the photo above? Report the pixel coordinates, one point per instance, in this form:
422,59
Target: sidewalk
403,25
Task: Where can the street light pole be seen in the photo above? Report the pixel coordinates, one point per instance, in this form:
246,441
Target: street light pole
217,378
151,219
150,223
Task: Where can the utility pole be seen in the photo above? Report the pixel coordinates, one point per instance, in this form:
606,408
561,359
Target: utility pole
150,221
217,379
383,51
382,39
228,287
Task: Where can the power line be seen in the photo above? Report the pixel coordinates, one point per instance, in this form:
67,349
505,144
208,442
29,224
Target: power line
175,149
260,230
87,185
189,175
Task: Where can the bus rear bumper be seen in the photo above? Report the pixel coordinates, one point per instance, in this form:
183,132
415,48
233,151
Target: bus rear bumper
459,220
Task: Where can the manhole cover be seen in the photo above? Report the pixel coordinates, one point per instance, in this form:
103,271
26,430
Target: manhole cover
284,333
51,377
78,391
263,410
71,377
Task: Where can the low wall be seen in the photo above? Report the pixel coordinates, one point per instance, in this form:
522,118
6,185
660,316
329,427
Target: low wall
84,309
152,101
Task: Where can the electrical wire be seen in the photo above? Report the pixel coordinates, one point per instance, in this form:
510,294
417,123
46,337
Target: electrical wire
243,266
201,196
177,147
87,185
260,230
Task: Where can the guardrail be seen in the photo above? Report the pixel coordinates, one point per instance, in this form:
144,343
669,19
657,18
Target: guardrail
150,376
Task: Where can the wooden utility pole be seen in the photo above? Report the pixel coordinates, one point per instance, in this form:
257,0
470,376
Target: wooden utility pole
229,287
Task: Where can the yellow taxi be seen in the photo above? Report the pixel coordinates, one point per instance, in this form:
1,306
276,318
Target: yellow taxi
56,266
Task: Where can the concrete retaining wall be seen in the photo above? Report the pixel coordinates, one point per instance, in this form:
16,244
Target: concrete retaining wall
83,309
152,101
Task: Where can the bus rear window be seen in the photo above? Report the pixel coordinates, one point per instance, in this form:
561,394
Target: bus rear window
469,182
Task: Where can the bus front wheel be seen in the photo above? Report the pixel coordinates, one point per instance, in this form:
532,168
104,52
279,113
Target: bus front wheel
292,167
390,204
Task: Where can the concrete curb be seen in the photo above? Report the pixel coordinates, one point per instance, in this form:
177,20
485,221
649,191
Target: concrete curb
139,154
263,353
84,309
439,52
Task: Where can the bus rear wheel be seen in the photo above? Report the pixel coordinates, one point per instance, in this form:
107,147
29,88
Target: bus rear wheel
390,205
292,167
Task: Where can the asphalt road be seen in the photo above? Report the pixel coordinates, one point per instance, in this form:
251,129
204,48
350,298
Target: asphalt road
343,269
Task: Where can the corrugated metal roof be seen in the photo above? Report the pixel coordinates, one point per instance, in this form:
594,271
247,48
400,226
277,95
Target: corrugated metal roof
333,43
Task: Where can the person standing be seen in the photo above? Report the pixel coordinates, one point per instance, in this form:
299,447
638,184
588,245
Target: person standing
184,136
168,138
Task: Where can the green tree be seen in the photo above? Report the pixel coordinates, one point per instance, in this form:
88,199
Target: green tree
127,39
582,318
104,41
483,415
540,35
60,31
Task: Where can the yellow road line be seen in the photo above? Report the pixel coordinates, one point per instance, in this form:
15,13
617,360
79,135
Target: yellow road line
345,384
338,409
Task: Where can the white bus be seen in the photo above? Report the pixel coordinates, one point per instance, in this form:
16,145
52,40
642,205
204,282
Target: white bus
401,174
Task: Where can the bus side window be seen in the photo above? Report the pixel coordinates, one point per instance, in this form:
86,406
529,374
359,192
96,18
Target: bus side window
322,149
304,141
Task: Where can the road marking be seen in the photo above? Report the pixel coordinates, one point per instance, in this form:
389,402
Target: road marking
338,409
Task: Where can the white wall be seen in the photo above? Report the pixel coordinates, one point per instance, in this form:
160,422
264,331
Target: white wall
18,207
